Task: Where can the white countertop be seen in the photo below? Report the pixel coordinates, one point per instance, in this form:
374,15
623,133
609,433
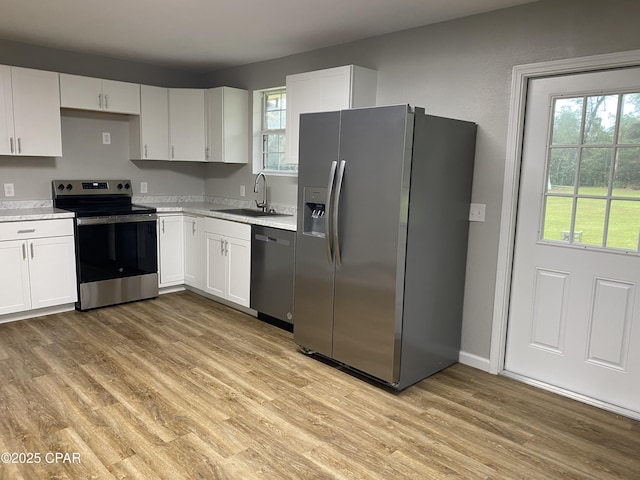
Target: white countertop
217,211
40,213
204,209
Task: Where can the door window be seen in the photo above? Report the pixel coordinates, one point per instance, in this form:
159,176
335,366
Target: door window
592,195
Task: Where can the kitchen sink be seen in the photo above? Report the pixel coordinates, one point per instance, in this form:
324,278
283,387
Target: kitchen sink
250,212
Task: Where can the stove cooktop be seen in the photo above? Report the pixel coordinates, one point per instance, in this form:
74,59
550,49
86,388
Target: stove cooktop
96,198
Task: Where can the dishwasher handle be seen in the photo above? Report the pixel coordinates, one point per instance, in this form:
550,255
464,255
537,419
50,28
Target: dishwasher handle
265,238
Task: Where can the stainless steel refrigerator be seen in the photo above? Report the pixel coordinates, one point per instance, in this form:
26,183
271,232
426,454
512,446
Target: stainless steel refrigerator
383,207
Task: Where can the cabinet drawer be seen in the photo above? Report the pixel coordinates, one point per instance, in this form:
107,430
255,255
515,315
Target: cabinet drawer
36,229
227,228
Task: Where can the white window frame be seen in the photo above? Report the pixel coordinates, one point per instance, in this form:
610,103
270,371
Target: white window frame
258,120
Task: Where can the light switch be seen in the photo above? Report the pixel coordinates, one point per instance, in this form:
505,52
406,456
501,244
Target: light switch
242,191
143,187
106,138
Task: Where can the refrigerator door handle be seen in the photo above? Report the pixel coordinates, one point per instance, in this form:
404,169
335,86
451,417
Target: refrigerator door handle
336,209
327,217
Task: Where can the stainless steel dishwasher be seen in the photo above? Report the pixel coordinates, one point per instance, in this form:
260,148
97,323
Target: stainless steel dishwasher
272,271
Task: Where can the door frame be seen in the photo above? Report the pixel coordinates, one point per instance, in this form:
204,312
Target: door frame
521,74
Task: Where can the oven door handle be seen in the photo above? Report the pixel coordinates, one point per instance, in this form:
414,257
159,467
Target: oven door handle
147,217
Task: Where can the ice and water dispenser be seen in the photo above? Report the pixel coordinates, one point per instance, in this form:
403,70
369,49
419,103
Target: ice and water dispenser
314,220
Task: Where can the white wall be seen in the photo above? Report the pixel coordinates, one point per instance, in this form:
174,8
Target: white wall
460,69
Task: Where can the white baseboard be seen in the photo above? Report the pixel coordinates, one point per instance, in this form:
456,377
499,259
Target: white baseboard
474,361
12,317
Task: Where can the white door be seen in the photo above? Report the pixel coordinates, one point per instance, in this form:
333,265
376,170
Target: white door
239,270
14,281
154,122
186,124
7,136
52,271
193,251
216,266
574,317
121,97
171,243
79,92
36,112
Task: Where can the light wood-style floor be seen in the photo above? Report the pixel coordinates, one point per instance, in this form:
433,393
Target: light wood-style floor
181,387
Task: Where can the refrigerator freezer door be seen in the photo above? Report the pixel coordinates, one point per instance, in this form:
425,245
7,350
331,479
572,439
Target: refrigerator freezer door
375,144
313,305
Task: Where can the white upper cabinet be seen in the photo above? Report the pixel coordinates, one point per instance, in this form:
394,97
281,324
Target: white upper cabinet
86,93
149,133
336,88
29,112
227,125
186,124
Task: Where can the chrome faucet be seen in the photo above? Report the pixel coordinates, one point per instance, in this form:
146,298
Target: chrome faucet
262,205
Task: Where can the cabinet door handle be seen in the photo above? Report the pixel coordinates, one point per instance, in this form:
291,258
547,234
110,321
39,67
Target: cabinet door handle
145,151
206,152
106,101
163,225
24,251
11,143
194,227
31,245
19,145
226,248
28,230
100,101
221,247
173,151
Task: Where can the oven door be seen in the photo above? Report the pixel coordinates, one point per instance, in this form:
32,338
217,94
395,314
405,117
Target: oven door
117,259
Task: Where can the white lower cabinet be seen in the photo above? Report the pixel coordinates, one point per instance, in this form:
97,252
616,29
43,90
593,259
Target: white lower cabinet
170,250
194,251
209,254
38,263
228,260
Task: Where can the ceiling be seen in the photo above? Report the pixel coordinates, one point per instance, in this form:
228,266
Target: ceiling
214,34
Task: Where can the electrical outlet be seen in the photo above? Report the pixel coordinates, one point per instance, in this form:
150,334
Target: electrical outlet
106,138
476,212
242,191
9,191
143,187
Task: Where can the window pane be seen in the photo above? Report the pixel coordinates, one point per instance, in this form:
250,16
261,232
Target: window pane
624,224
562,170
626,182
567,116
589,227
273,144
595,168
273,101
600,119
275,161
557,218
630,121
273,120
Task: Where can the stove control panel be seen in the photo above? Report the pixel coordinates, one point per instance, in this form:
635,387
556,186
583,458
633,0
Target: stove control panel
91,187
